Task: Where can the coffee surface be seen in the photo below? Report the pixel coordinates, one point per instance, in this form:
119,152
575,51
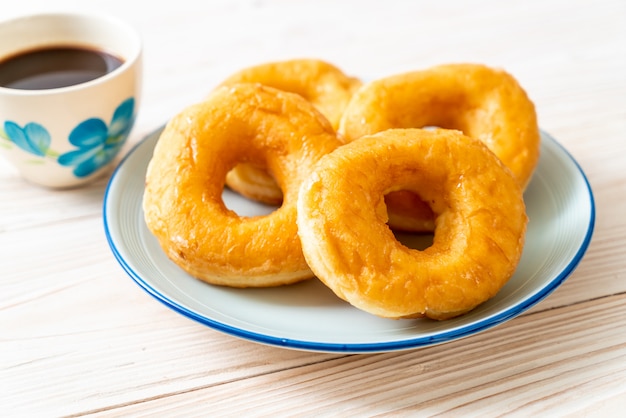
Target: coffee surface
55,67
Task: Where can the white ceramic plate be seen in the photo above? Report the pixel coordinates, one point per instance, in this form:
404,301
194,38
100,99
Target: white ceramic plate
308,316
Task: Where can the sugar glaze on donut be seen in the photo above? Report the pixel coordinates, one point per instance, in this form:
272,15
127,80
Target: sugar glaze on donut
326,86
479,234
277,131
483,102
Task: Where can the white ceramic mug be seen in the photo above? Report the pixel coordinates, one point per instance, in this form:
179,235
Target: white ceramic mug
68,136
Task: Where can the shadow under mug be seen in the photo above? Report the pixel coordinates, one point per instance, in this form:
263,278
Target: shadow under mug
68,136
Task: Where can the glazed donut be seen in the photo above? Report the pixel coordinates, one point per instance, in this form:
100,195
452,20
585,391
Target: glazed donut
482,102
183,206
480,223
327,87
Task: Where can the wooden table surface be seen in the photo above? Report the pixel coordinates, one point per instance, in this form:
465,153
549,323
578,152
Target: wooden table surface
79,337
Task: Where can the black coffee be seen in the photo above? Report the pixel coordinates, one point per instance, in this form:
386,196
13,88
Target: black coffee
54,67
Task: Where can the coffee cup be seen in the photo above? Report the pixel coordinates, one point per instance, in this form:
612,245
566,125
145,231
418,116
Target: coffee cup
70,88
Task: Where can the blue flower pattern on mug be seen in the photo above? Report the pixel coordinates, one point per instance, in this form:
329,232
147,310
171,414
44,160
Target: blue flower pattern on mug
32,138
96,143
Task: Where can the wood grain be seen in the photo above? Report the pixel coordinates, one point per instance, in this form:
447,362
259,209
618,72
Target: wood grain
502,371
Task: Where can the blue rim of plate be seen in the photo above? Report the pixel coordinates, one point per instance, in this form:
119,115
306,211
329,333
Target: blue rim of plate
356,348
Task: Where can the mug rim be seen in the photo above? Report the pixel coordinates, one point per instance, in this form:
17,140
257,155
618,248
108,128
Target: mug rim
129,61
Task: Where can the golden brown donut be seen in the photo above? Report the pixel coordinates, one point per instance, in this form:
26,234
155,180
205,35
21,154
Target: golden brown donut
480,223
327,87
278,131
482,102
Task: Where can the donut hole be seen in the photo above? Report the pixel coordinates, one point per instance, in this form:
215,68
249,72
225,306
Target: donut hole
407,211
410,219
412,203
251,190
245,207
416,241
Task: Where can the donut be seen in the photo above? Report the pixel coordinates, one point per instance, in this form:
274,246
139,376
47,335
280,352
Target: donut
482,102
323,84
183,208
327,87
480,223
